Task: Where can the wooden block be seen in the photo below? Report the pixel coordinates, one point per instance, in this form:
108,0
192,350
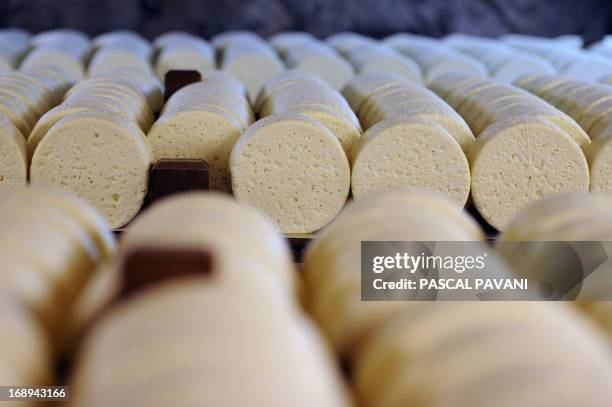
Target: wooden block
169,177
146,267
177,79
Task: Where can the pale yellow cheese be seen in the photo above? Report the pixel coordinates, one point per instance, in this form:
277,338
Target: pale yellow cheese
517,161
293,169
102,158
410,153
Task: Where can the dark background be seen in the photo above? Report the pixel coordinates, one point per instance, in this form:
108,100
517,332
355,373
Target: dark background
589,18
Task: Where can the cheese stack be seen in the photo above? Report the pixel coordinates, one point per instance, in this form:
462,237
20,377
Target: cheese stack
368,55
240,322
203,121
127,56
238,237
590,105
51,243
434,57
292,164
67,50
23,99
294,91
563,218
196,343
25,354
183,52
413,138
501,60
249,58
332,263
120,49
474,354
94,145
525,149
571,218
568,61
307,54
14,43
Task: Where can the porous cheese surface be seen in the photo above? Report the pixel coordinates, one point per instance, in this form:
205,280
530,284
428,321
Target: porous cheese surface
517,161
102,158
293,169
13,154
410,153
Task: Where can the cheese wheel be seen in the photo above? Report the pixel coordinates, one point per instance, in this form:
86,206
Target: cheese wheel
58,58
438,369
185,54
173,136
342,127
78,210
109,59
231,228
517,161
362,86
320,60
293,169
599,155
13,154
282,79
47,121
101,158
276,337
252,62
24,349
415,153
145,81
17,111
547,214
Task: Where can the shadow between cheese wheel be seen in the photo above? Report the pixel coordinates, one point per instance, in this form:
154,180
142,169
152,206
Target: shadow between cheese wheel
293,169
101,157
410,153
520,160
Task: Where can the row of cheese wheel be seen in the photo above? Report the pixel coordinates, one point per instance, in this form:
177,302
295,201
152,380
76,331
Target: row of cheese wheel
571,61
303,52
367,55
567,229
583,221
590,105
502,61
94,144
65,49
203,121
196,339
24,97
525,149
451,353
248,58
51,243
434,57
413,138
292,164
182,51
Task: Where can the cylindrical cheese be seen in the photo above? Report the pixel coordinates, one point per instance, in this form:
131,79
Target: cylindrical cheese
293,169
